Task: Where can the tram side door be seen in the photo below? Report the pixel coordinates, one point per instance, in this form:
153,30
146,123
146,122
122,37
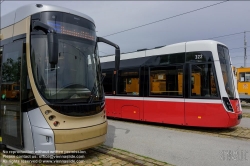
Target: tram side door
200,107
128,103
11,116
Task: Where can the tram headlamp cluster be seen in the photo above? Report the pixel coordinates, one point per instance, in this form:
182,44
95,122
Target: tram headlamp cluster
52,117
227,104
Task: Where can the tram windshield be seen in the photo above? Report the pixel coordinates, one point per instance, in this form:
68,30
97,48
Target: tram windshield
77,72
226,70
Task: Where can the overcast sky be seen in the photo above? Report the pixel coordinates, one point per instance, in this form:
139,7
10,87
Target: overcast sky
111,17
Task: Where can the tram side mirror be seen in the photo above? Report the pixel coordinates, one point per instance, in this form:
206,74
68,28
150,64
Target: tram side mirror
117,51
117,59
52,48
52,40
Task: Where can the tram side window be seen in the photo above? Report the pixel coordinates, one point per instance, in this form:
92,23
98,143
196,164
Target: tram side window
107,82
245,77
128,82
166,81
203,81
11,67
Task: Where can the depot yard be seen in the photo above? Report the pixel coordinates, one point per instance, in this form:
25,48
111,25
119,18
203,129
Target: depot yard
105,155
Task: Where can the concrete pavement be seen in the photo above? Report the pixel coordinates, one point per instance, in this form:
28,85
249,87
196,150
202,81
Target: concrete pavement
177,147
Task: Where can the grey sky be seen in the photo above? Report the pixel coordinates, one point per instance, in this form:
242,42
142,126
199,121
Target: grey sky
112,16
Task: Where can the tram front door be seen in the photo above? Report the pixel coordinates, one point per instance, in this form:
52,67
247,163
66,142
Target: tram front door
10,114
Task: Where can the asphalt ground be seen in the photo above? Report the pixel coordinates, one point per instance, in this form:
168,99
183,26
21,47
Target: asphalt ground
182,146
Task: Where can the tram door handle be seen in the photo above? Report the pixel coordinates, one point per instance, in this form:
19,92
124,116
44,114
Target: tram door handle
4,109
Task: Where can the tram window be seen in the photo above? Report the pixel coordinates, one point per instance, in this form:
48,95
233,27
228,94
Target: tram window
242,77
107,82
167,81
203,81
128,82
11,67
192,82
245,77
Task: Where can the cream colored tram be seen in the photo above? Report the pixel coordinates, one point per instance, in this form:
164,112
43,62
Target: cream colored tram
51,53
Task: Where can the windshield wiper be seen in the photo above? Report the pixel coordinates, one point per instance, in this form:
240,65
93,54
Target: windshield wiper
94,90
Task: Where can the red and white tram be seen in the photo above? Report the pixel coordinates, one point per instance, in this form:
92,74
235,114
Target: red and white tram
189,83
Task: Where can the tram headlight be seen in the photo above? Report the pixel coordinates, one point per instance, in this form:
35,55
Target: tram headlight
47,112
52,117
227,104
